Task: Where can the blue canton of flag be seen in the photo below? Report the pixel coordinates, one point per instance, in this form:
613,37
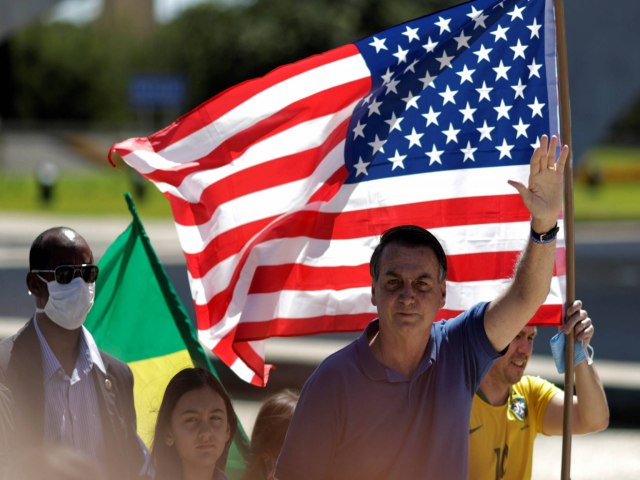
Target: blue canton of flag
467,87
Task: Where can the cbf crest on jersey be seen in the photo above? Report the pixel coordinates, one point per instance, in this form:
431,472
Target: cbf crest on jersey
518,407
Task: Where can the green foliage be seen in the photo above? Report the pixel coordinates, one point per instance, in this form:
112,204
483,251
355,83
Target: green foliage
83,194
57,69
610,201
218,46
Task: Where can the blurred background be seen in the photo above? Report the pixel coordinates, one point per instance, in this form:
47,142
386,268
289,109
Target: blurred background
77,76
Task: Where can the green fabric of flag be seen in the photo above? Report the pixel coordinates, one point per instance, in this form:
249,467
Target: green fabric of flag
138,318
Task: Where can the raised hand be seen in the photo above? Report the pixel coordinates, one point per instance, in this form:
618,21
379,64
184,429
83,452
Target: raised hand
543,196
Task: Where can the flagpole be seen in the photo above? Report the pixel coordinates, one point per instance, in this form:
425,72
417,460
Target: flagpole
565,133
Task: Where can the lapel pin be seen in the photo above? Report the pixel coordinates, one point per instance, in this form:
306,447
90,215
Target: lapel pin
107,384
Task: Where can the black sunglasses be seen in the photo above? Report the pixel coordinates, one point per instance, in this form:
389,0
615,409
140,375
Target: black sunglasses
65,273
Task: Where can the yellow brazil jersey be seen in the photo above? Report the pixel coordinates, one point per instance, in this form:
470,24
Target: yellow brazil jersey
501,438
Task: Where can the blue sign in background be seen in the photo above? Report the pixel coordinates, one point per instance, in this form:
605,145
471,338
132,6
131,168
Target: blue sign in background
150,90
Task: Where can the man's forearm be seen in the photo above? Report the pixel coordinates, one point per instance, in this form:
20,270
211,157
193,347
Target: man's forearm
591,411
510,312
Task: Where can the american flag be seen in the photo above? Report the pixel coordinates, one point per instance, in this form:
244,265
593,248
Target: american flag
281,186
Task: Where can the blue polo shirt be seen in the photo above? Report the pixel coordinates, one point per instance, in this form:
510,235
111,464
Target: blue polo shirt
357,419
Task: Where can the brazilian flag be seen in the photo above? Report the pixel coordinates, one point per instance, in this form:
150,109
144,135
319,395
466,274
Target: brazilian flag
138,318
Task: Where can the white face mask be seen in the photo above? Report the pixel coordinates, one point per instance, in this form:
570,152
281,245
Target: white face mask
68,305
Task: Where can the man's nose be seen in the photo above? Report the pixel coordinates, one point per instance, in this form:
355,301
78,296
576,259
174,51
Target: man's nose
407,293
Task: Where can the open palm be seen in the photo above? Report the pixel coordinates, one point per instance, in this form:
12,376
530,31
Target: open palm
543,196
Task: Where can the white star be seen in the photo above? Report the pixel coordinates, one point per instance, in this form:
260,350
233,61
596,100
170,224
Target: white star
477,17
485,131
467,113
411,100
430,45
462,40
518,50
504,149
387,76
401,55
501,71
411,67
468,152
358,130
431,116
521,129
484,91
448,95
361,167
377,145
536,107
465,75
503,110
445,60
411,33
534,69
391,86
443,24
414,138
535,29
474,13
500,32
536,144
378,44
434,155
374,107
428,80
451,133
516,13
519,89
483,54
397,160
394,122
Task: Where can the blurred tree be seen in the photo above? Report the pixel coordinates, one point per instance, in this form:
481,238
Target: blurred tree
219,45
69,72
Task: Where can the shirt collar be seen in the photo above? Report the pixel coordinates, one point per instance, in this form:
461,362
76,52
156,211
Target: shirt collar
88,350
373,369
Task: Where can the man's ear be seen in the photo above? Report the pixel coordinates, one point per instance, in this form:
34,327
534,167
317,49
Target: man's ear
373,296
443,285
36,286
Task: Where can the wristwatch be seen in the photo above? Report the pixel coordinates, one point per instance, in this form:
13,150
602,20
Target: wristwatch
546,237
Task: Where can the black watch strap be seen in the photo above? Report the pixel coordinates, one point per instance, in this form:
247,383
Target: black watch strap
546,237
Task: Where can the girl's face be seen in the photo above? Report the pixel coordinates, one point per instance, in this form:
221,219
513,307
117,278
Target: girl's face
199,428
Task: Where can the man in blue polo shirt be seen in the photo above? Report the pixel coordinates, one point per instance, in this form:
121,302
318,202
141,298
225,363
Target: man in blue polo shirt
395,403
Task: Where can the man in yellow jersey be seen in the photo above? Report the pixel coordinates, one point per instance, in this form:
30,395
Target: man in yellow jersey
510,409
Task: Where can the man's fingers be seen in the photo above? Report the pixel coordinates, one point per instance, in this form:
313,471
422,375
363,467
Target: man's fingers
537,157
574,307
562,158
520,187
551,153
573,319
